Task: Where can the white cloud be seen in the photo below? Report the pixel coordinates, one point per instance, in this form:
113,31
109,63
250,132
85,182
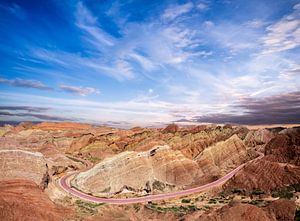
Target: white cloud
256,23
25,83
82,91
284,34
87,22
232,36
176,10
202,6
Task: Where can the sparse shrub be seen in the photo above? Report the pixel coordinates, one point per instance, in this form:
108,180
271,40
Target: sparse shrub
257,192
285,193
88,207
258,202
296,187
212,201
136,207
235,190
297,215
186,200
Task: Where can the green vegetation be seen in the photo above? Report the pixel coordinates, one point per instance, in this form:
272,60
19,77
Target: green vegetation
136,207
238,191
297,215
285,193
258,202
206,207
212,201
257,192
88,207
186,200
74,159
94,159
177,210
296,187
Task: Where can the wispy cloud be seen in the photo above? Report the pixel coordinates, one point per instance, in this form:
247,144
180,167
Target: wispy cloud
284,34
87,22
15,9
176,10
198,58
37,116
82,91
25,108
202,6
25,83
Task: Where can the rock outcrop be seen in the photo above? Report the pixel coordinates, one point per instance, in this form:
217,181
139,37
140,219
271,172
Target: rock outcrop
224,156
172,128
158,170
236,212
279,167
284,149
264,175
20,164
258,137
61,126
279,210
23,200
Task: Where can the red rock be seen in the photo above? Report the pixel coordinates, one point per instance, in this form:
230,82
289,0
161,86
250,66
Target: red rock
23,200
172,128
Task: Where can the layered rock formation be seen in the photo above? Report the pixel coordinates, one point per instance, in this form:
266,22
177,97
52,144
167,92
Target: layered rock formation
284,148
258,137
279,167
219,159
158,170
23,200
20,164
279,210
265,175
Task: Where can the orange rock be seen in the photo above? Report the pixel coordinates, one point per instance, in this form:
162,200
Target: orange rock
61,126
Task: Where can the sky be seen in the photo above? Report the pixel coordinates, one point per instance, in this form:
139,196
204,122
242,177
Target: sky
148,63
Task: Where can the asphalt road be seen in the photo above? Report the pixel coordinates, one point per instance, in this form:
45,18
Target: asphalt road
65,184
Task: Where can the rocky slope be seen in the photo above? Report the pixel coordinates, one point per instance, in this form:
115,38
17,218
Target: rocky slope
141,161
278,168
279,210
219,159
20,164
158,170
23,200
258,137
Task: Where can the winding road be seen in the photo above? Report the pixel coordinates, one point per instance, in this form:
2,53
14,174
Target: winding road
65,185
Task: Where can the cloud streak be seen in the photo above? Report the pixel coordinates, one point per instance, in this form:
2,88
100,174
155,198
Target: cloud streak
25,83
82,91
44,117
25,108
277,109
284,34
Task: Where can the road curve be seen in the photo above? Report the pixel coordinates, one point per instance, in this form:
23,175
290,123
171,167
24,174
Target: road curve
64,184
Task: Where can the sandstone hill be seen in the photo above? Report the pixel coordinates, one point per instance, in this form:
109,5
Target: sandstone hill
224,156
258,137
23,200
20,164
278,168
157,170
279,210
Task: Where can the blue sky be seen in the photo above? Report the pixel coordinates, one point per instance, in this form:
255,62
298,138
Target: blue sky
134,62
